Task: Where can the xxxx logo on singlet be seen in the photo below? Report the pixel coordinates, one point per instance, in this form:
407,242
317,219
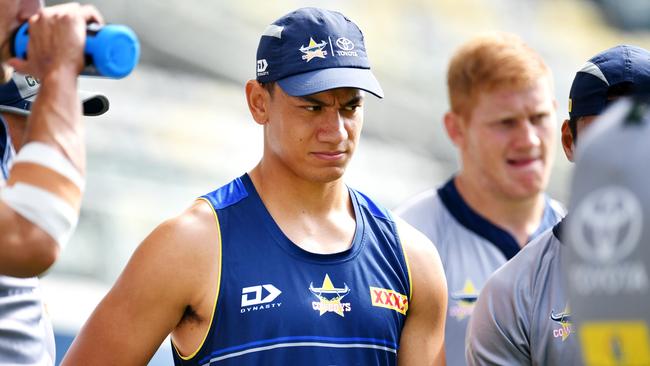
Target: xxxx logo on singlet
389,299
330,297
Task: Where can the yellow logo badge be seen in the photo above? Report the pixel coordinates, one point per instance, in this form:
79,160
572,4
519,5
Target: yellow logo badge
615,343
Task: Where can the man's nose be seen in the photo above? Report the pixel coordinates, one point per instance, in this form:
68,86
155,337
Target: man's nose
528,134
333,129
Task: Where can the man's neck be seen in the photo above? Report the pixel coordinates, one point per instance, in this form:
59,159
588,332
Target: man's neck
519,217
316,216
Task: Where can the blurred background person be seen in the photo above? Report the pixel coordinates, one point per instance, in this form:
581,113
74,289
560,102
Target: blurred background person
502,121
42,166
16,100
606,237
523,315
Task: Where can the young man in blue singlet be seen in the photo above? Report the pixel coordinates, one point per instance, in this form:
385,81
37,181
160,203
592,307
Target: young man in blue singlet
284,265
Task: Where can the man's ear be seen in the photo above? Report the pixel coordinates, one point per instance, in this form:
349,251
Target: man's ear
567,140
455,128
258,99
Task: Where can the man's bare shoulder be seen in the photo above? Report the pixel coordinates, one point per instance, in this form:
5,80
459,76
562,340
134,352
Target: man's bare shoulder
423,260
417,246
170,272
192,234
193,223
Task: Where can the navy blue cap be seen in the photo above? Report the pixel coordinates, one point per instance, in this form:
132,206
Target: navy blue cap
19,93
312,50
617,65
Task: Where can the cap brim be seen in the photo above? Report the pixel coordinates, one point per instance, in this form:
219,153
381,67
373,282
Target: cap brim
325,79
15,110
93,104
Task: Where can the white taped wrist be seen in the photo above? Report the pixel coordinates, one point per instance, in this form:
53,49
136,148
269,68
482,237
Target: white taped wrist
46,210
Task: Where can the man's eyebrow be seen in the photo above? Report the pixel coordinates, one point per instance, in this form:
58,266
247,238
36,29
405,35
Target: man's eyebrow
309,99
355,100
313,100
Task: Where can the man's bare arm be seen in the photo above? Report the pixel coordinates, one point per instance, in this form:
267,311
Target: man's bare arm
422,340
147,302
57,36
27,251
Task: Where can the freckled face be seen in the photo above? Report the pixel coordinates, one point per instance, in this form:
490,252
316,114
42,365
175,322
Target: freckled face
509,140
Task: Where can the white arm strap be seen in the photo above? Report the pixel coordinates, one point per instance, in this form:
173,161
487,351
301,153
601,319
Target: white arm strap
43,154
53,214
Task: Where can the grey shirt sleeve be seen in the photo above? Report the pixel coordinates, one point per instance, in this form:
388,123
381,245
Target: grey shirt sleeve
498,329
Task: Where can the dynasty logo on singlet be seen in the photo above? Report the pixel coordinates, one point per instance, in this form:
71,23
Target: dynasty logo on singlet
564,319
330,297
465,301
254,298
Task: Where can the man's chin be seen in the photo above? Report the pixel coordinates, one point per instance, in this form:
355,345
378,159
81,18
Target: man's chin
328,175
526,190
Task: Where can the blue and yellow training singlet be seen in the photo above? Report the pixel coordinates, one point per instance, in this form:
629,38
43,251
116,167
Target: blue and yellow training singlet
280,305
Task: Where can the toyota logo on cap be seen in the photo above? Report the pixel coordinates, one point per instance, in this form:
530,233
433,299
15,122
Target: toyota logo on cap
344,44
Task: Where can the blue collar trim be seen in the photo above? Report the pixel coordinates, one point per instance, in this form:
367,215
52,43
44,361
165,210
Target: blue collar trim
481,226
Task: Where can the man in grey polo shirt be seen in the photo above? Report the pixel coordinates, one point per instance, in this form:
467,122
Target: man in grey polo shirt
503,121
523,316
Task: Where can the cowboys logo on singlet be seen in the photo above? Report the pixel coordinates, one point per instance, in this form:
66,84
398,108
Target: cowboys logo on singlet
330,297
564,319
465,300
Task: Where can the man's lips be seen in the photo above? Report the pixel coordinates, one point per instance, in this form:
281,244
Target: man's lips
329,155
523,162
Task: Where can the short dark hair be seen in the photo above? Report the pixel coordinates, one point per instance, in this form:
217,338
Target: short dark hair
269,86
613,92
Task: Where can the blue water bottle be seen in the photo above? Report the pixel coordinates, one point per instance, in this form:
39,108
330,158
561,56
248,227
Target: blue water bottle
111,50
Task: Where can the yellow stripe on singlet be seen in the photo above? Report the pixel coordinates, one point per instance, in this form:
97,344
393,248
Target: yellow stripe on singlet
214,307
408,270
406,260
